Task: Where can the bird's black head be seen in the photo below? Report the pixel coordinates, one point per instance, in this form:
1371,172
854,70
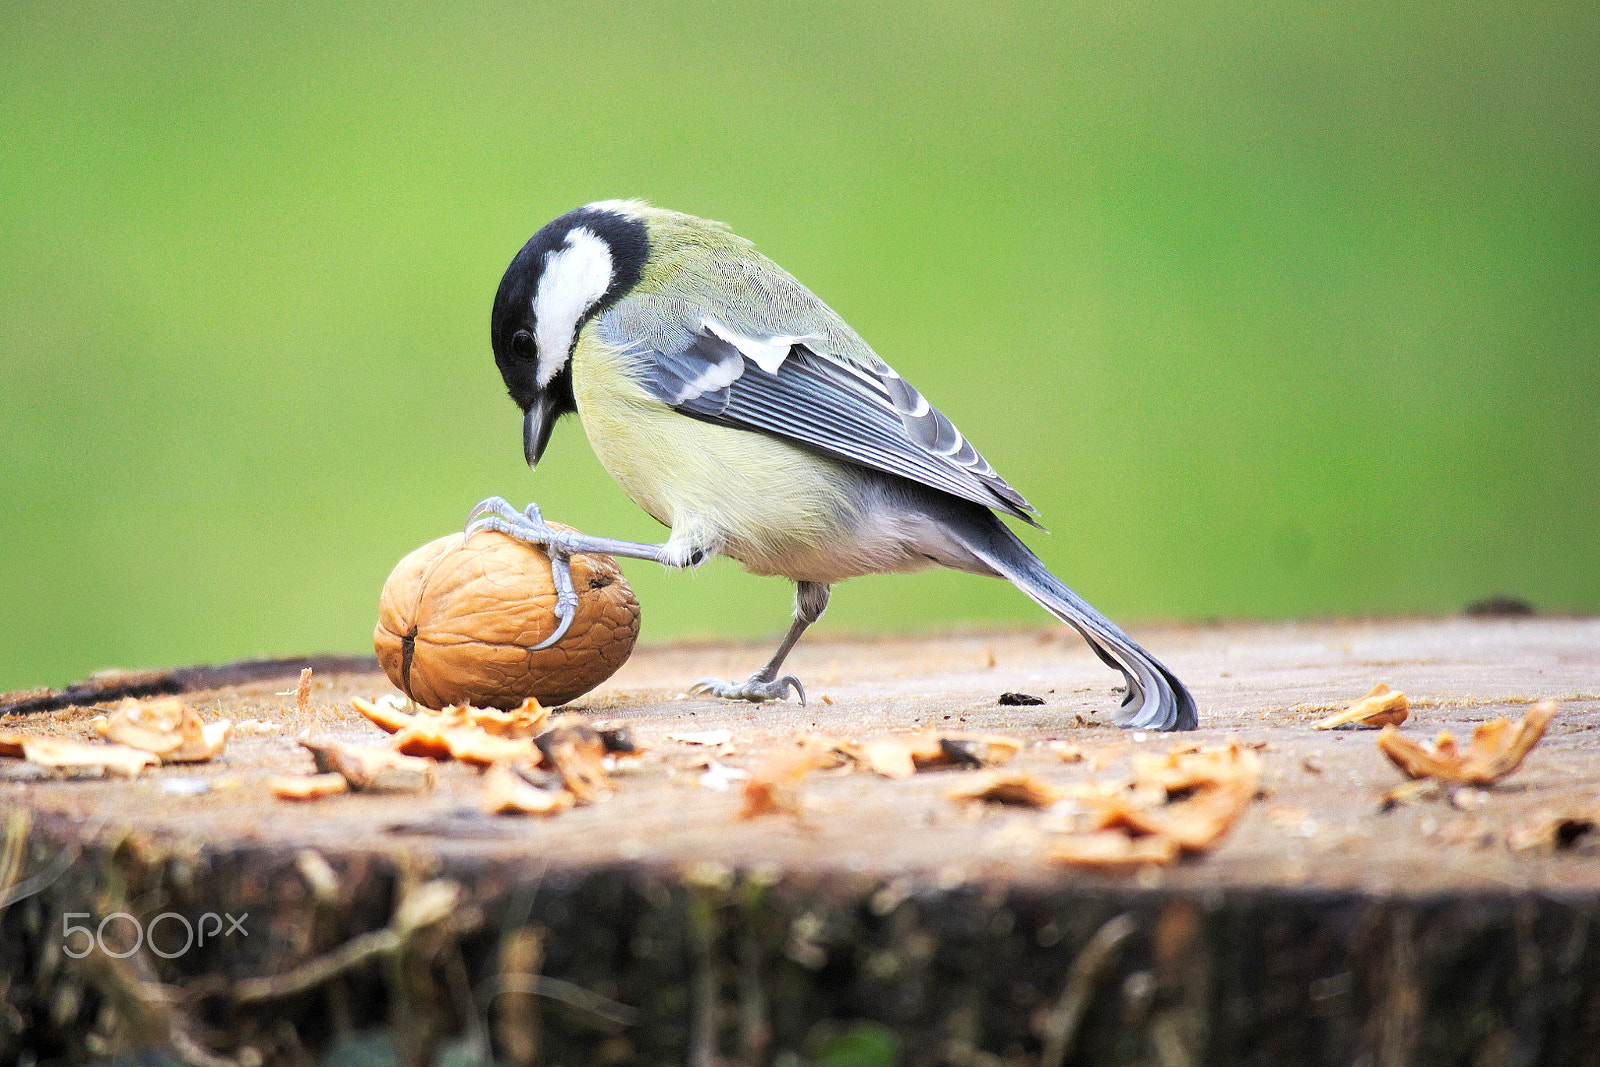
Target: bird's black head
568,272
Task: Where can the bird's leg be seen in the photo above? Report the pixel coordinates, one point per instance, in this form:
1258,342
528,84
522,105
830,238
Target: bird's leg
810,600
561,545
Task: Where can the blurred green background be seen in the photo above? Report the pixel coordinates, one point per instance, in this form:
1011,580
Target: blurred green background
1271,309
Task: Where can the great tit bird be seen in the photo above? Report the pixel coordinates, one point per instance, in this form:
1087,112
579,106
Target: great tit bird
742,413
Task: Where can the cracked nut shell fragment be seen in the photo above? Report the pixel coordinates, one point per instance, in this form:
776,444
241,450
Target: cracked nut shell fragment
457,619
1497,748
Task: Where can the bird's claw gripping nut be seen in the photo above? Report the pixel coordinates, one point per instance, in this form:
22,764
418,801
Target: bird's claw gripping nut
496,513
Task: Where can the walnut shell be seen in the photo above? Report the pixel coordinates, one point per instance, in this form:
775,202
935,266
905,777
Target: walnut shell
456,619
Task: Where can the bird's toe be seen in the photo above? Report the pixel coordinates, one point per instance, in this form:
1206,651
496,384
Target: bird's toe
756,689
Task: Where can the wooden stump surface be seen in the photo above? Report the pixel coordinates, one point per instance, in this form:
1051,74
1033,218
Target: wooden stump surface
655,926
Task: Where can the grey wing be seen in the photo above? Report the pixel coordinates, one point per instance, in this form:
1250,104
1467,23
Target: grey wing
790,387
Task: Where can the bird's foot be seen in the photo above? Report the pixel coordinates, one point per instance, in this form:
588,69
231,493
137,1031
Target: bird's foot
758,688
529,525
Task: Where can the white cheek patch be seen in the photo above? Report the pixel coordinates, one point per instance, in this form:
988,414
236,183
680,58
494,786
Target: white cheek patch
768,353
574,279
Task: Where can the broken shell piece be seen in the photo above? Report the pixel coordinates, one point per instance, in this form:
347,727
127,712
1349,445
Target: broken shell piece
481,749
1016,790
1288,816
575,750
902,755
1112,850
1197,822
207,745
11,745
720,776
525,720
378,770
1186,768
505,792
308,786
123,761
423,736
479,736
167,727
1182,802
1497,749
984,750
152,725
888,756
387,712
1406,792
773,787
1381,707
619,740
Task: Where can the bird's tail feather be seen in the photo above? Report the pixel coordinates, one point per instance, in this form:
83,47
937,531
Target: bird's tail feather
1156,699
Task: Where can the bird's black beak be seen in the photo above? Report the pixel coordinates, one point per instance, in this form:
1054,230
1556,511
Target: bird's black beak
537,423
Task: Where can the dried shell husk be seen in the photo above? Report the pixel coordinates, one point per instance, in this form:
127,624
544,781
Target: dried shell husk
308,786
121,760
377,770
167,727
1381,707
1497,749
505,792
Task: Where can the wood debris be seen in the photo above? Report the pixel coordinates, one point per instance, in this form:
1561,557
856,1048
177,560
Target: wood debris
1381,707
11,745
1497,748
709,738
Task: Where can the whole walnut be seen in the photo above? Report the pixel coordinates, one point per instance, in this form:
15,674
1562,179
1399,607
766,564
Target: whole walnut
456,619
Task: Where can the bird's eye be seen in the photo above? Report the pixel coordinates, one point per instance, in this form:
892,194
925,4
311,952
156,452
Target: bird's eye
522,345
